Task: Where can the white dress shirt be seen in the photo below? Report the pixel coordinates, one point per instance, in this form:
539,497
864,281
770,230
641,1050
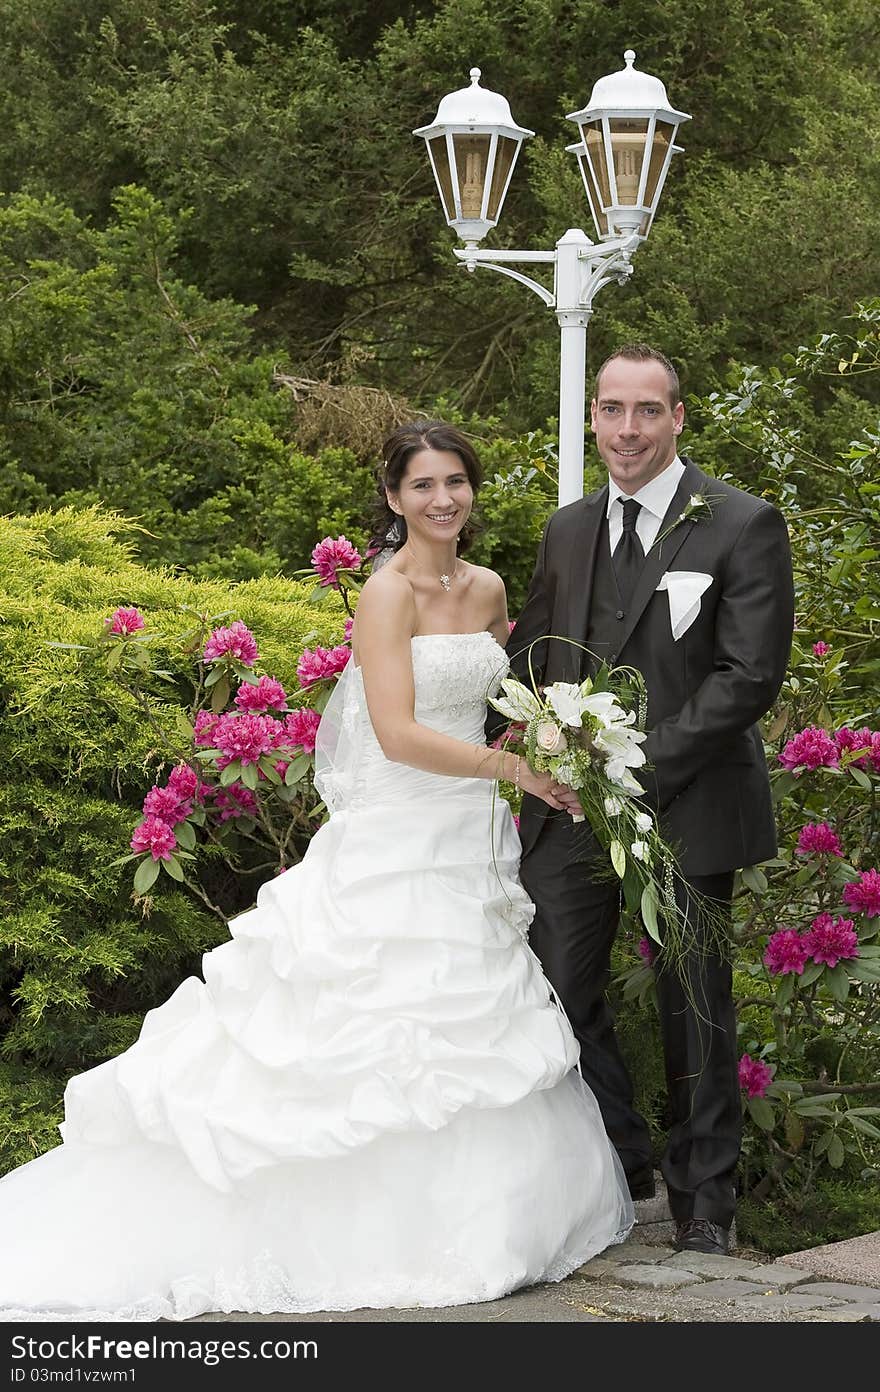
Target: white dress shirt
655,498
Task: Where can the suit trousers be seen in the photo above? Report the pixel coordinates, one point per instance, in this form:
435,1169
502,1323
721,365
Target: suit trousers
565,873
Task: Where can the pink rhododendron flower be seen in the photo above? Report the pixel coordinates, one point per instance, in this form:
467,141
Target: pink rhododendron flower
186,782
167,805
346,630
155,836
125,621
331,555
754,1076
831,940
812,748
645,949
511,625
786,952
315,665
817,838
848,740
235,801
821,649
301,728
203,727
863,895
245,737
236,641
268,694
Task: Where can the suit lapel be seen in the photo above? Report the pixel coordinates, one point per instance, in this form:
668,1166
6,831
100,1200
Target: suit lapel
582,567
661,556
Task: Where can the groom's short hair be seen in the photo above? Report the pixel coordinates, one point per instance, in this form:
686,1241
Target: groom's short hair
643,352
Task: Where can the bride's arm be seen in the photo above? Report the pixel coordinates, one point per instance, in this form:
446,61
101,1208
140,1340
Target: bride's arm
386,620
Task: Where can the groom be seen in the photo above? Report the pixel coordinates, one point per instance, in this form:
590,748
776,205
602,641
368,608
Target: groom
703,607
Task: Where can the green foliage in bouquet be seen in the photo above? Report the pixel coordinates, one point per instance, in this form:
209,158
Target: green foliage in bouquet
83,738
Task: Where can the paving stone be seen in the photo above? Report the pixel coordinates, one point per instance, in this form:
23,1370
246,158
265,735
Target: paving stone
651,1276
850,1314
597,1269
635,1251
842,1291
799,1299
778,1275
722,1290
706,1264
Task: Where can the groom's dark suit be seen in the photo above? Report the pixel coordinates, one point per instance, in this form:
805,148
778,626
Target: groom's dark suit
708,780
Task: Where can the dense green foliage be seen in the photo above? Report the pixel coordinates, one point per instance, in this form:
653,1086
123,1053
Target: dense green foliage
79,960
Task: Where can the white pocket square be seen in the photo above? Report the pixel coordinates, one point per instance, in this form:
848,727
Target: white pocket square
684,588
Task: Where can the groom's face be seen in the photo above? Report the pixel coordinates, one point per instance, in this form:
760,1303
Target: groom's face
635,423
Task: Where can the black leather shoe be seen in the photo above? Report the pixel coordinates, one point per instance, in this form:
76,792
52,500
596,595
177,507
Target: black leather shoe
641,1186
699,1235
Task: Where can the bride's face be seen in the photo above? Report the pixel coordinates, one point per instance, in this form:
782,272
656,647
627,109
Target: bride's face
435,495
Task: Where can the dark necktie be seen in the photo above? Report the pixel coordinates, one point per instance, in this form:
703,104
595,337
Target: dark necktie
628,556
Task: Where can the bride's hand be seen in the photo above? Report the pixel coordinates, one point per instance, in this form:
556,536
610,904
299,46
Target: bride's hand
542,785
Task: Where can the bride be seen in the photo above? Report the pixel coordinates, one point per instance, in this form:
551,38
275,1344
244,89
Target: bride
372,1099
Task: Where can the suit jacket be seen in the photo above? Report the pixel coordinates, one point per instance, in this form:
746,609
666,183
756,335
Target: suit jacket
708,777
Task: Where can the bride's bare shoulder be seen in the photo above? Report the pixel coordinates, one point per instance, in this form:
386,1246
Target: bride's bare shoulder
387,595
485,581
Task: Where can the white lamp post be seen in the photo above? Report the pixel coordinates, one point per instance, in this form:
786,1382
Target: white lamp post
627,142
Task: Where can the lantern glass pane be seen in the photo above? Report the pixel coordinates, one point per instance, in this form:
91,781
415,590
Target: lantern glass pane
440,156
663,136
471,159
595,143
628,146
504,158
595,201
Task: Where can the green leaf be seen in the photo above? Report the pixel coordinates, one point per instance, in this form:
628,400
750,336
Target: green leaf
868,971
755,879
270,771
216,674
866,1127
784,991
173,867
231,773
860,777
297,768
795,1131
249,776
649,906
837,982
811,972
146,875
186,835
761,1112
836,1152
220,694
618,858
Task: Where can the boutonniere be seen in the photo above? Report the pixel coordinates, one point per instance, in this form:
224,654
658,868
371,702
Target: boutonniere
697,507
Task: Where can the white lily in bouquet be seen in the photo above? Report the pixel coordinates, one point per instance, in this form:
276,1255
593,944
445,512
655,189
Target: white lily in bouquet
589,737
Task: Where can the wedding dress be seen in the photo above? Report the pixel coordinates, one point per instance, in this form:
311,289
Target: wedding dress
372,1098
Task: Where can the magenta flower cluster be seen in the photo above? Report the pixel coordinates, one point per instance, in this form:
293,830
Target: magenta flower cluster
332,555
268,694
821,649
317,664
155,836
811,749
863,895
124,622
235,641
754,1076
867,742
817,838
827,941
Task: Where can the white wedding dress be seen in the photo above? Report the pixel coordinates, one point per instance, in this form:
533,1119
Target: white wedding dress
372,1099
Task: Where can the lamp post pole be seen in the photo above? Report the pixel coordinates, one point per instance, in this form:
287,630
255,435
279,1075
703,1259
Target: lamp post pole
627,134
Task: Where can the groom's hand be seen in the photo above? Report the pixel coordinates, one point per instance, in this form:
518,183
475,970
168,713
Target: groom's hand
569,800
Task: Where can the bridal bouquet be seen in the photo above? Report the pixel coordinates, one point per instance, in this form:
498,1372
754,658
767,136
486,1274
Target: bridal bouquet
589,737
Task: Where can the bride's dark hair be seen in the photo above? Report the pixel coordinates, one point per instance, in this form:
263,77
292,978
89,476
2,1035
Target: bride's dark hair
389,528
